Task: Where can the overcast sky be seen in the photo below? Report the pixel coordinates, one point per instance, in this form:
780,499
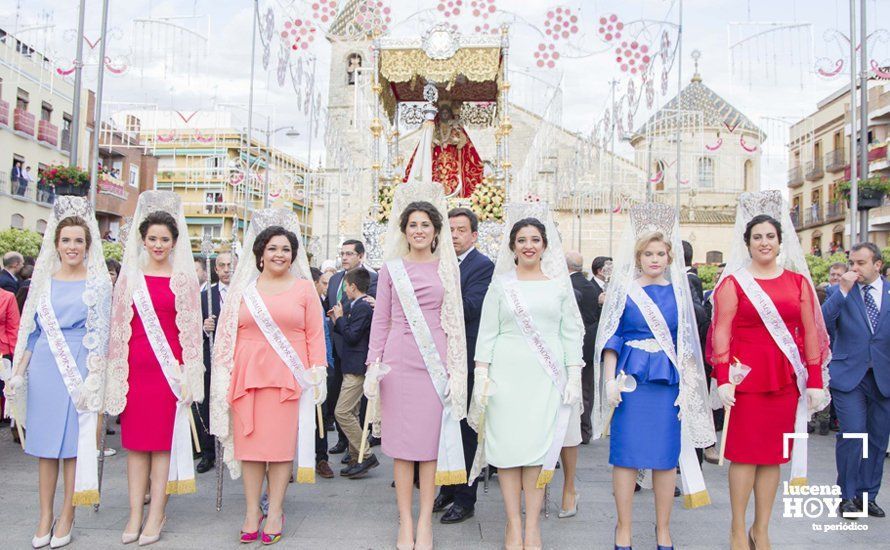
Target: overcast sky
771,80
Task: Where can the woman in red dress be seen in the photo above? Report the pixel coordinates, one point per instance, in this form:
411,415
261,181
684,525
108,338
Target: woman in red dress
756,306
155,369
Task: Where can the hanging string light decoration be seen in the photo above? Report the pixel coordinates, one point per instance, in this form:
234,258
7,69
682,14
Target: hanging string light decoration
835,63
770,53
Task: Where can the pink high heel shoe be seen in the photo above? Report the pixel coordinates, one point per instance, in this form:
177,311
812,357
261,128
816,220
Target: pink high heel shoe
247,538
273,538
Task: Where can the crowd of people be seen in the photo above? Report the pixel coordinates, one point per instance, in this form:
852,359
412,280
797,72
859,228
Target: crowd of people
455,364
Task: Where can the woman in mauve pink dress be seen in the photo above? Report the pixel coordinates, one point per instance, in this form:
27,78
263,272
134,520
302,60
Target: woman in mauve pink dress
411,418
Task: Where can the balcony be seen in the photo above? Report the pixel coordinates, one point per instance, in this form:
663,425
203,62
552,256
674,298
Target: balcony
834,160
48,133
211,208
4,113
795,176
33,191
24,122
814,170
836,211
812,216
878,153
109,185
795,218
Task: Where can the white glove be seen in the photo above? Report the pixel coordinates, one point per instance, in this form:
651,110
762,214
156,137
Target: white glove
185,393
727,394
5,370
613,394
480,379
815,399
371,386
572,395
14,384
318,376
81,403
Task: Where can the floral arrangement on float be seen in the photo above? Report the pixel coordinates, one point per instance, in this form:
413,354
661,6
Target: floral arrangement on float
487,201
67,180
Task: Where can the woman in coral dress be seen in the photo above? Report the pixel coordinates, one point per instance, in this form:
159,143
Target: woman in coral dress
767,317
155,369
269,367
418,301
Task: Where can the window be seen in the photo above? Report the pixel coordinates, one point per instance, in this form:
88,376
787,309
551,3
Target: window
714,257
46,111
21,100
748,171
705,172
17,221
66,132
353,64
134,176
212,231
41,226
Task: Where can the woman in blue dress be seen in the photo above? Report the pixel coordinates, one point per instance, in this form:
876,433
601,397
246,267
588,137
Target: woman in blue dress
55,389
649,342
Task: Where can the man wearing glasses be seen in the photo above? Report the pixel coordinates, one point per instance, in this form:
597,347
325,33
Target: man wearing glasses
352,255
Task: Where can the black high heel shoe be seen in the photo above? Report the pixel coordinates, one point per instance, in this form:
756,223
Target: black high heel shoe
658,546
620,547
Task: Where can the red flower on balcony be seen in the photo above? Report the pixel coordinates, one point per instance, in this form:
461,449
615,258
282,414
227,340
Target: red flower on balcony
24,122
47,132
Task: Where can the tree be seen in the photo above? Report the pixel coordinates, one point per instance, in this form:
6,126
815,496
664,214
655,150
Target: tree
23,241
112,251
819,266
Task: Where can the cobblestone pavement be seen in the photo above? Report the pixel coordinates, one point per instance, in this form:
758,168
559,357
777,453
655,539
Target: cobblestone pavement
361,514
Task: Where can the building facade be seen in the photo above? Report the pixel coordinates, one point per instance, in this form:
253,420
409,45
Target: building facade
36,132
819,161
205,159
125,170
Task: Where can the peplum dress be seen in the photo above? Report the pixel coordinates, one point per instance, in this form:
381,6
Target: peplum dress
766,400
264,395
520,416
645,430
147,420
52,419
411,411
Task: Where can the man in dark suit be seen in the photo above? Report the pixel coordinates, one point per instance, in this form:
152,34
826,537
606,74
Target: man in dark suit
590,310
352,255
857,314
698,295
210,315
600,270
476,271
12,264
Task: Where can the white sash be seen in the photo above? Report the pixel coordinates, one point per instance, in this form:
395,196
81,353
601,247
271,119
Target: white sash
552,366
290,357
181,479
783,338
450,466
86,473
695,493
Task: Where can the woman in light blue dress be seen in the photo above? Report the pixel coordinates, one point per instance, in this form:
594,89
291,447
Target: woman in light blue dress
70,278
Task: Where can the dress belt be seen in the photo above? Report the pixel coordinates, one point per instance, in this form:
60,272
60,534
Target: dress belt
650,345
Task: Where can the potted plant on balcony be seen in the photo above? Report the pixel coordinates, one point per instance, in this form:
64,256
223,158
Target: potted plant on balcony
67,180
871,191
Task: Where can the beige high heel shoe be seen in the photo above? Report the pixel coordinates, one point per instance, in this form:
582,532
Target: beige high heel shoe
145,540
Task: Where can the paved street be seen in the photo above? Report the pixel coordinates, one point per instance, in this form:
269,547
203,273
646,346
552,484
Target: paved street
361,514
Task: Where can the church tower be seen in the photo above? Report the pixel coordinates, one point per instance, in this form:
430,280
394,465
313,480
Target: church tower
341,215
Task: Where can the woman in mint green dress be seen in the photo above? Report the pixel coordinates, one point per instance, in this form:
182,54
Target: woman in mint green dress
528,370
